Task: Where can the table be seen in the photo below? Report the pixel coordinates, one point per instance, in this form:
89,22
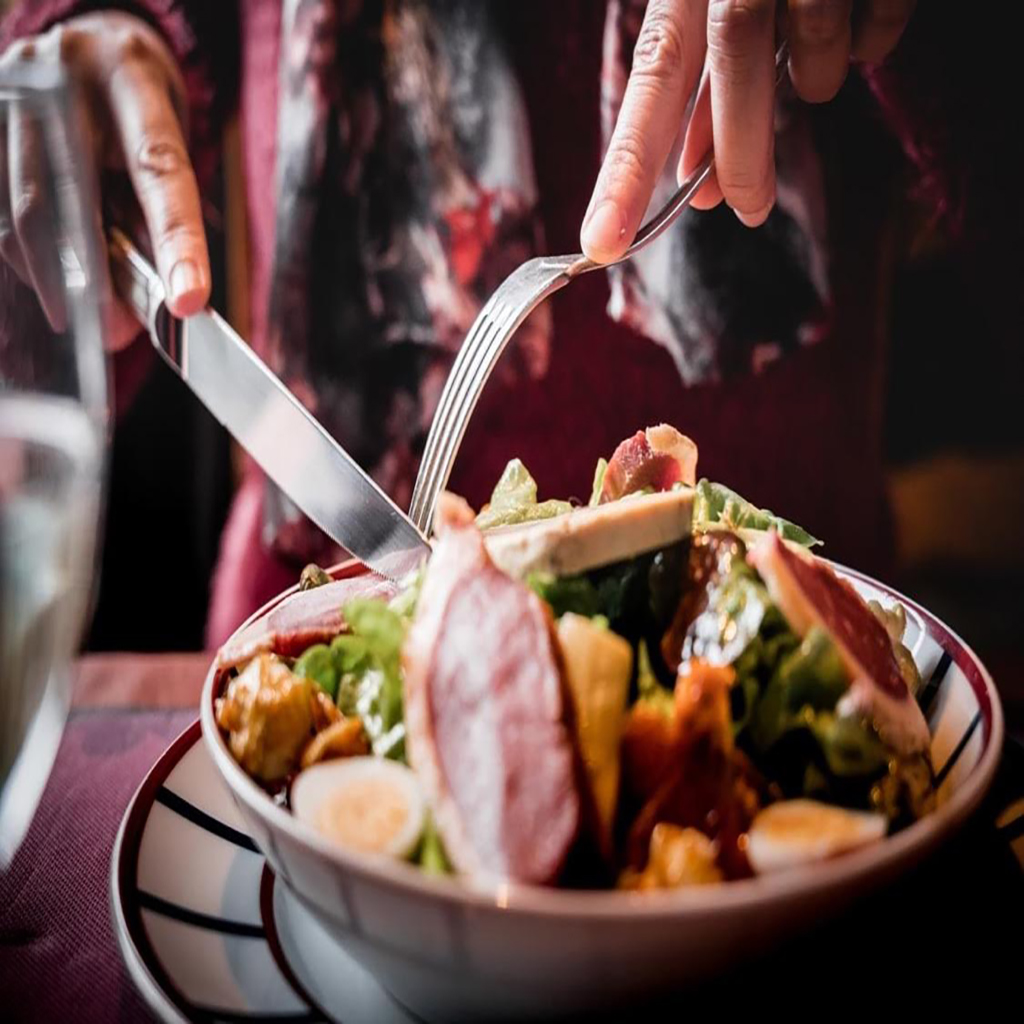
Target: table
953,926
58,954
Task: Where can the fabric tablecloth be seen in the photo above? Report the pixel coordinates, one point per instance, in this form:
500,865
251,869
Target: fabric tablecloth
58,955
951,926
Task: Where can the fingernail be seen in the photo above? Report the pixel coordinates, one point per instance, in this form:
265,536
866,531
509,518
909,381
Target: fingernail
604,229
753,220
185,279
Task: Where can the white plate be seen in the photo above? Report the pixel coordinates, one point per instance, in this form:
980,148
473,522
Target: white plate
204,930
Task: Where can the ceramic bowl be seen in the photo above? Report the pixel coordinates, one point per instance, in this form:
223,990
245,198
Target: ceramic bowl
452,951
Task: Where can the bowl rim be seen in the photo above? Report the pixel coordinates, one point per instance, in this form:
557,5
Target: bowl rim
619,905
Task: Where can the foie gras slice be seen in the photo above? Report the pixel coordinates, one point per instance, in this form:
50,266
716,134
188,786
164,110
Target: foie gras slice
588,538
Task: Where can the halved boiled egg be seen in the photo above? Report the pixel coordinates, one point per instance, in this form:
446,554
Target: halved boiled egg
794,832
364,803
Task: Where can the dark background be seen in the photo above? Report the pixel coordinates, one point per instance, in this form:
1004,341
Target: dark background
169,488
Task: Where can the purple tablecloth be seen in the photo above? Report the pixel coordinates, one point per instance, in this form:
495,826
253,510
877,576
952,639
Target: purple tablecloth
957,915
58,956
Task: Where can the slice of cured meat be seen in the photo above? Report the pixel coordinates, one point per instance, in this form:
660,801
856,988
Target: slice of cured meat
810,594
487,717
306,617
657,458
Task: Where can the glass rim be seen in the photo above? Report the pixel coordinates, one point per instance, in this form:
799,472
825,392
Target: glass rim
46,90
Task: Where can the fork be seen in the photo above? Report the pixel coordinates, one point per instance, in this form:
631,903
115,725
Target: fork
516,298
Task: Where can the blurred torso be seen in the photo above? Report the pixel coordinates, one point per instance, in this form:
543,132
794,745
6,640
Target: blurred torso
803,437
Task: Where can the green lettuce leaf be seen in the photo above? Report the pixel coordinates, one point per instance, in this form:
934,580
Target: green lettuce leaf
809,678
716,505
813,675
362,671
566,594
649,689
595,491
850,747
795,723
741,627
619,592
317,663
431,855
514,500
895,621
786,690
404,602
906,791
755,667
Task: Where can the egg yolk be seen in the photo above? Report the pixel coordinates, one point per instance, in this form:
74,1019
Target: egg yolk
366,814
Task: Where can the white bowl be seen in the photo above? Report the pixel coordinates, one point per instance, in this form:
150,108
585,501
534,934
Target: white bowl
451,951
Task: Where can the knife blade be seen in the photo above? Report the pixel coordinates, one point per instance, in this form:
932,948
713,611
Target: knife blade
270,423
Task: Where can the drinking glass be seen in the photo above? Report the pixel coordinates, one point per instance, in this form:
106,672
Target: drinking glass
53,411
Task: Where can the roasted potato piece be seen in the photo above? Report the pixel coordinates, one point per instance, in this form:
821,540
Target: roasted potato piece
702,706
695,770
650,749
678,857
655,737
344,738
269,715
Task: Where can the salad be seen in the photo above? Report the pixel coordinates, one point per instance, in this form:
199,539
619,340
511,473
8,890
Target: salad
661,688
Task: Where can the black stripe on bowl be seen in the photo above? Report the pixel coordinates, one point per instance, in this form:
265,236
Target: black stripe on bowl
205,821
930,690
193,917
212,1013
940,775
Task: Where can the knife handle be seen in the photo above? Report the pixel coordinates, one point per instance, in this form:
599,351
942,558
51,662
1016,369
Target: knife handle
138,285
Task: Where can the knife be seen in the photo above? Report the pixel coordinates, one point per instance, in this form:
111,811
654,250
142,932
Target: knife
270,423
